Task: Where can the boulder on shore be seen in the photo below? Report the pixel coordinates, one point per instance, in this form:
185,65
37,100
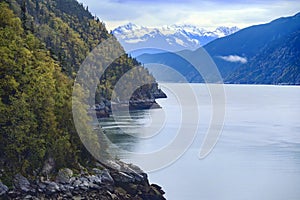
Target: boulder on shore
3,189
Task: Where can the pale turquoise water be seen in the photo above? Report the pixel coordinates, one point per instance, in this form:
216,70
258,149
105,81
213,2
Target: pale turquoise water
256,157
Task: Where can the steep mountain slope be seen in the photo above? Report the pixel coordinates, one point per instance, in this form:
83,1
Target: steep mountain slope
35,105
249,42
42,45
255,48
70,32
277,63
171,38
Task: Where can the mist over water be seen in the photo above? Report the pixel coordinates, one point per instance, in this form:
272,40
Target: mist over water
257,155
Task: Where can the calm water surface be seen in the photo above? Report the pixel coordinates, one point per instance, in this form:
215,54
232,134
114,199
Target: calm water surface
257,155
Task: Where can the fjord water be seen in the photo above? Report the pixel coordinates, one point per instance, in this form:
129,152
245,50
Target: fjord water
256,157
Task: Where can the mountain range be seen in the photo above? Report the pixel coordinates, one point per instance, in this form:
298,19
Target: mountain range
261,54
169,38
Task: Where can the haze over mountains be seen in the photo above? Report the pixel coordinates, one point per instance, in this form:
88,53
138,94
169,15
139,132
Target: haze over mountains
170,38
260,54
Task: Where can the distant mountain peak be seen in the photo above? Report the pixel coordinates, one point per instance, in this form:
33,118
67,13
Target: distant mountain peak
226,31
168,37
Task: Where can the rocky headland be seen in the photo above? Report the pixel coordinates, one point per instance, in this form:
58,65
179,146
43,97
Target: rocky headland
139,101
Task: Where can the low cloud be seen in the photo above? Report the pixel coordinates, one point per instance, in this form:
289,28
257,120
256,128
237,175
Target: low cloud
234,58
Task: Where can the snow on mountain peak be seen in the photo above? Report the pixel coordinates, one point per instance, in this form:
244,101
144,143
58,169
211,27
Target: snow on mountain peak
174,37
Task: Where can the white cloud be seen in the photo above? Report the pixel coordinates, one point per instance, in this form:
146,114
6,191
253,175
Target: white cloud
207,14
133,41
234,58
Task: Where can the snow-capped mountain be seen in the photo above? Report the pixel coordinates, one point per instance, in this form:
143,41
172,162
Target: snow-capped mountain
169,38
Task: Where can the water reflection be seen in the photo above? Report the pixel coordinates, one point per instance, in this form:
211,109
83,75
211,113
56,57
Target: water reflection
116,126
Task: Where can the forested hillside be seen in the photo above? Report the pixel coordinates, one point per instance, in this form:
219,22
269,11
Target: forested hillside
42,45
277,63
68,30
35,103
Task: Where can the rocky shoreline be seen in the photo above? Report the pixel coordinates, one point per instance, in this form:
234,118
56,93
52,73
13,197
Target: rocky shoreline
119,183
114,180
105,107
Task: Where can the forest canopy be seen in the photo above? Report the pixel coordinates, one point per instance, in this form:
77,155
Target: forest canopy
42,45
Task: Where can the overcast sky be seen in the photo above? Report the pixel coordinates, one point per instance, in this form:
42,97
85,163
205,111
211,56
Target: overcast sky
203,13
